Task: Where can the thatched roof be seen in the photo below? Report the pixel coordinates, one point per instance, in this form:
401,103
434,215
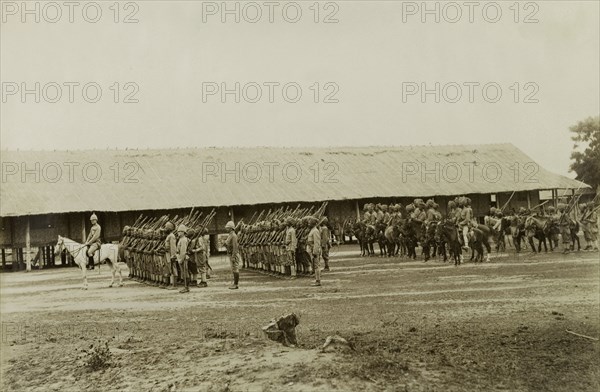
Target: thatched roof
181,178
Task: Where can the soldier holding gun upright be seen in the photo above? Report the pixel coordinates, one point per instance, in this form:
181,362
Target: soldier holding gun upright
291,242
171,255
182,245
325,242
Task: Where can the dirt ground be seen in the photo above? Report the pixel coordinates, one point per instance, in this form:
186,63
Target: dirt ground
497,326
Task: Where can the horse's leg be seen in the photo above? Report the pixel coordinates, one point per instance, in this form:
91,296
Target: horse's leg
545,244
443,251
112,281
458,256
84,275
530,239
118,267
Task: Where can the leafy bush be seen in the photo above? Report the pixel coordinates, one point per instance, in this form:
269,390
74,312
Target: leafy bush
98,356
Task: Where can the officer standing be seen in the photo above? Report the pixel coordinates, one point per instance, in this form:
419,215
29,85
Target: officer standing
313,247
202,251
564,222
206,238
325,242
93,240
182,246
291,242
194,256
234,254
171,255
589,221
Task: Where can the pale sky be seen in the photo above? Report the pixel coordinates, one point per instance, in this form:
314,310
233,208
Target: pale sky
369,56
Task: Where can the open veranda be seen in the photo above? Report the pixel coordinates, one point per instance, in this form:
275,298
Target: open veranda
519,322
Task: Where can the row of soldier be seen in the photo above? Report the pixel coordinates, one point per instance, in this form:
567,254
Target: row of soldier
286,242
381,218
565,220
281,243
159,255
420,218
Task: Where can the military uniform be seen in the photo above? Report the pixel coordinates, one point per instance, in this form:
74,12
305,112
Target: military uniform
182,257
373,215
234,253
386,214
93,242
564,224
325,243
170,248
313,247
589,223
466,217
291,243
432,215
396,214
379,215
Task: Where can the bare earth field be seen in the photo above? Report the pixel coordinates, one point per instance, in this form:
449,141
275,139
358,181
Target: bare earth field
498,326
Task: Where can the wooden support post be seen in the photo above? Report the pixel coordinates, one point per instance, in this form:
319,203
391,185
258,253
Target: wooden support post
83,235
28,247
231,216
3,259
357,210
19,259
528,200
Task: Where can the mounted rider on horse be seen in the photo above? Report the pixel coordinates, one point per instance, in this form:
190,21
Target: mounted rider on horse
93,241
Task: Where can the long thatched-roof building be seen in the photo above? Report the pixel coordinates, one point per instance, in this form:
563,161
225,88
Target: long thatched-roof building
47,193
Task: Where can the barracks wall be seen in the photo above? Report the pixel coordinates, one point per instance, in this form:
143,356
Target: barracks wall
44,229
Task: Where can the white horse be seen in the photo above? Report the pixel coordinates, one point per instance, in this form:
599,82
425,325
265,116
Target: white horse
109,254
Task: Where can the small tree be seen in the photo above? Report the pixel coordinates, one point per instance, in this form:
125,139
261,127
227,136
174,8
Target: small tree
587,162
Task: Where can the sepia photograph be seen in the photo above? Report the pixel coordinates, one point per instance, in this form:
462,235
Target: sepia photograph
302,196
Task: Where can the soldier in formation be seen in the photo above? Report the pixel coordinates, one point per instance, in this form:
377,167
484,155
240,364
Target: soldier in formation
234,253
291,244
274,242
564,224
589,223
157,256
325,242
182,256
170,256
